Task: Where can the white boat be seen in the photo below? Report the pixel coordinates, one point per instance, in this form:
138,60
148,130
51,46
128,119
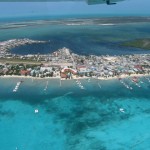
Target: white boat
82,87
36,111
16,86
122,110
141,82
131,88
14,90
121,81
19,82
137,85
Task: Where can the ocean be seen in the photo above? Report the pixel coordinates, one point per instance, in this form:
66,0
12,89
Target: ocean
70,118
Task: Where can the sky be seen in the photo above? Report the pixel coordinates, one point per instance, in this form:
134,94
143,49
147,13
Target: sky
127,7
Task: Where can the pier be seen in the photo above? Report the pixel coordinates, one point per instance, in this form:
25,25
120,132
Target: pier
125,84
17,86
79,84
99,85
135,81
147,79
46,86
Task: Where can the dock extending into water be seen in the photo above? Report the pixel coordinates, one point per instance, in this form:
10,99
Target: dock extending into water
17,86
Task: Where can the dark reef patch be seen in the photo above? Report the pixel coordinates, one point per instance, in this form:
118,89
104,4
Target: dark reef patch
8,114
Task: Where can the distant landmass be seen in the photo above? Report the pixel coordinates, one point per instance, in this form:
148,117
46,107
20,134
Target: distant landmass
90,35
77,21
139,43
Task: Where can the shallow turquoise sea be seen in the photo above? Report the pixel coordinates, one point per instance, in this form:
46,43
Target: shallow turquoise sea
70,118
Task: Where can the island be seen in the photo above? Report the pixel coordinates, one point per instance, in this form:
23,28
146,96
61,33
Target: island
5,46
139,43
64,64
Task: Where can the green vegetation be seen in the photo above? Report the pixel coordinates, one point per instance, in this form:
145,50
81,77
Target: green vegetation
140,43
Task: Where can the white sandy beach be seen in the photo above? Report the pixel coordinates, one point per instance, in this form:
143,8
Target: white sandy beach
74,77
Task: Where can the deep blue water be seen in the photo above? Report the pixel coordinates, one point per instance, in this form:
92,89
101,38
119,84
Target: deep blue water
73,119
81,39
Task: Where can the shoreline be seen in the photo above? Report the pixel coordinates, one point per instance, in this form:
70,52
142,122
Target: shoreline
75,78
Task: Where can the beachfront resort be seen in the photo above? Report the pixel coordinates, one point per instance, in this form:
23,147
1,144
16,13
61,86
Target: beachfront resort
65,64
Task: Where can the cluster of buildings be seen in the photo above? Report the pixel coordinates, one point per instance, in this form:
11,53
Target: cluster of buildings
65,64
29,70
50,65
110,66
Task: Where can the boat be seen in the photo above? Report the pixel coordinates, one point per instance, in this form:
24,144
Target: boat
122,110
88,80
14,90
36,111
147,79
82,87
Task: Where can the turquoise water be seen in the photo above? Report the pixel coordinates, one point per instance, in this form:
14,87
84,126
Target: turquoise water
73,119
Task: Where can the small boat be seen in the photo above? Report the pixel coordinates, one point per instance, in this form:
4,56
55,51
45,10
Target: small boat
131,88
141,82
36,111
121,81
18,83
137,85
88,80
147,79
14,90
17,86
122,110
82,87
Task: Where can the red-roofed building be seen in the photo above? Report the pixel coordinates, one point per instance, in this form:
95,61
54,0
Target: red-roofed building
82,68
25,72
73,71
138,67
63,75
